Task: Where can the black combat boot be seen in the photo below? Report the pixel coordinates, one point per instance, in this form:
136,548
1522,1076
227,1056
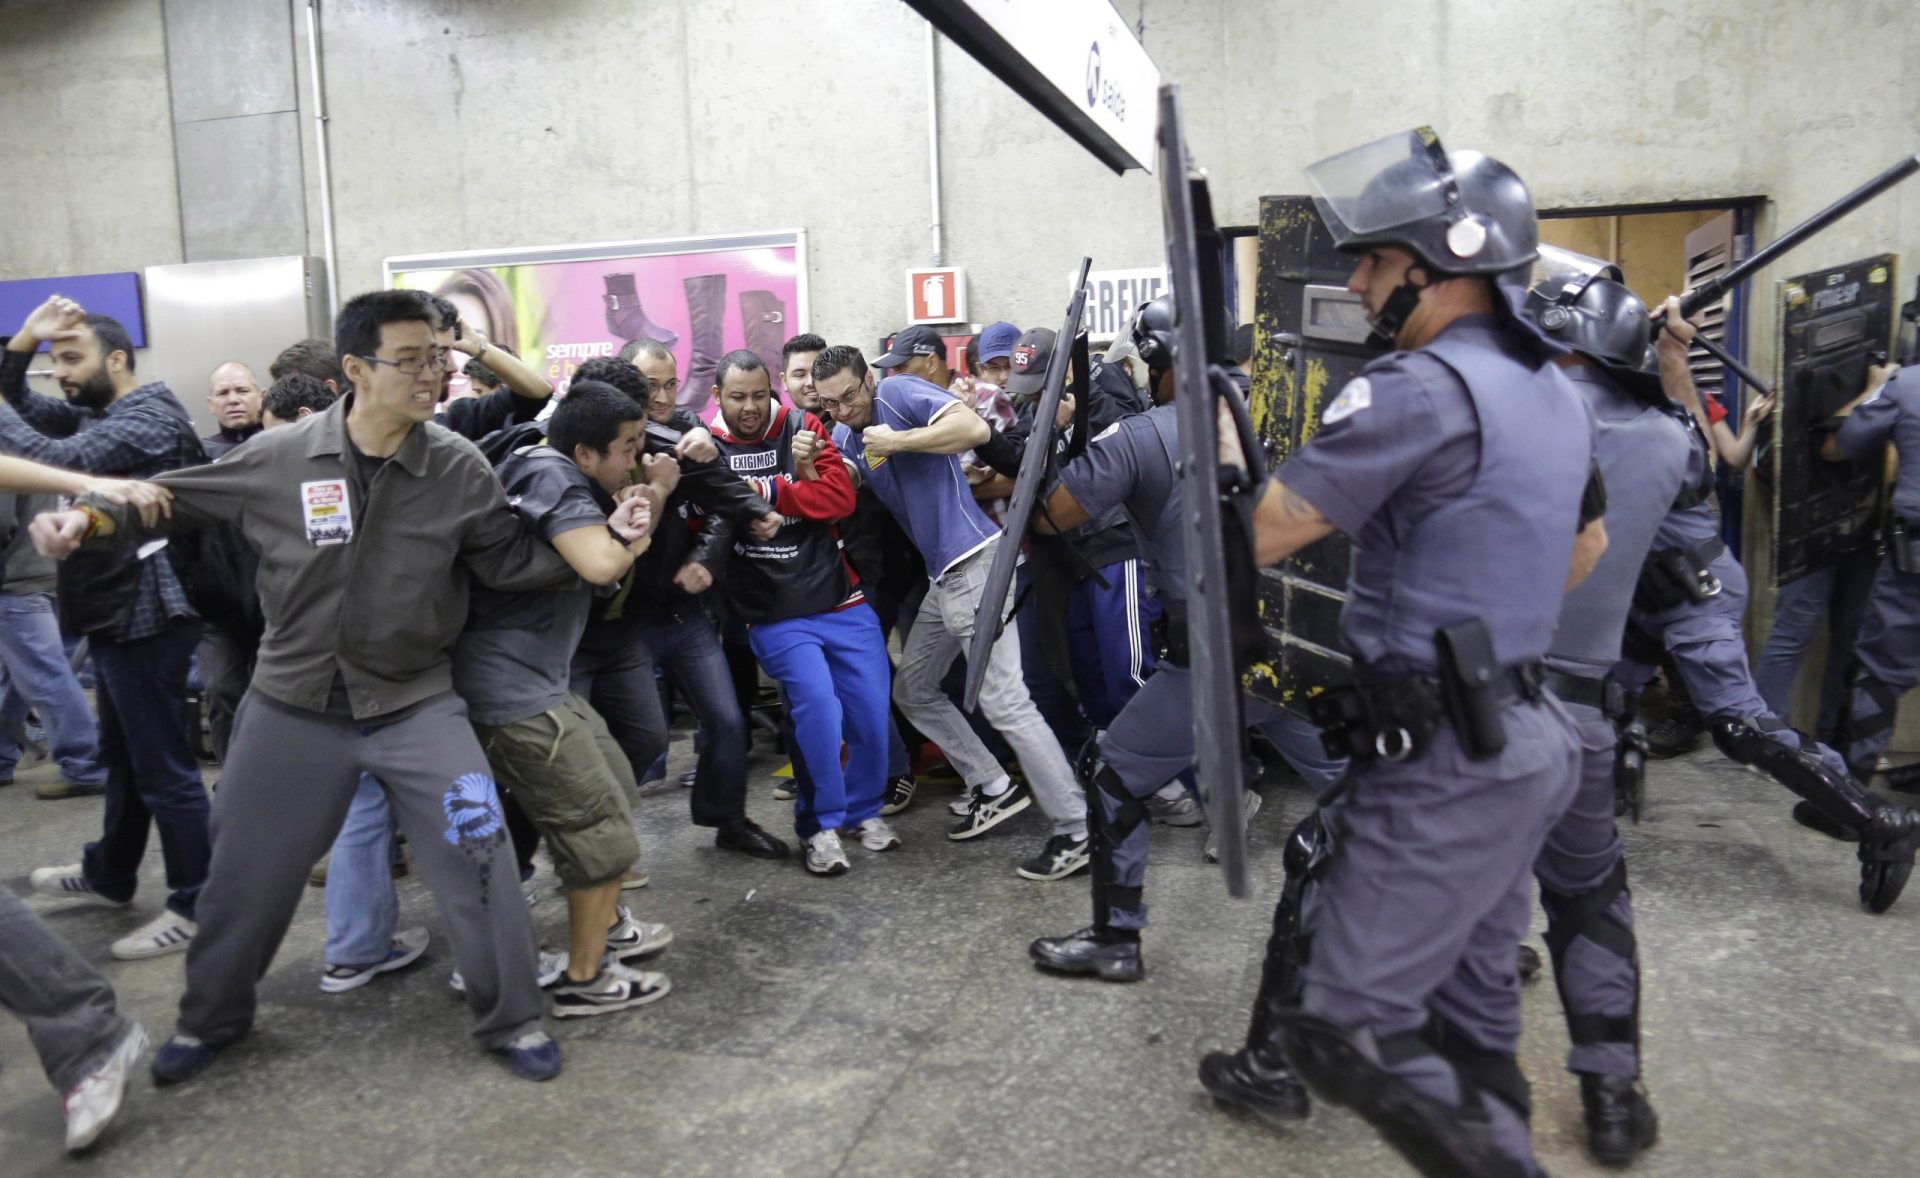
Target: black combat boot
1620,1121
1263,1086
1676,735
1110,955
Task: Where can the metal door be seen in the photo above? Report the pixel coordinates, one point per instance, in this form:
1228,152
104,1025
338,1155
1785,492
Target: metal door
1309,340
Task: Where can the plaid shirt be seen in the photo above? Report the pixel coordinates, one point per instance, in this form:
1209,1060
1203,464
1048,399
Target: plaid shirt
138,436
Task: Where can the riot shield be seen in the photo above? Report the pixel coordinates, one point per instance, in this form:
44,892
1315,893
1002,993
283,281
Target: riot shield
1310,339
1220,579
1832,324
1034,465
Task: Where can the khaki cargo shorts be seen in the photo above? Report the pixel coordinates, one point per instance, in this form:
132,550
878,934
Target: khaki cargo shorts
574,783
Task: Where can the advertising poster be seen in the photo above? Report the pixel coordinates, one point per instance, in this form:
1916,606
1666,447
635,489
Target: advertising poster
559,305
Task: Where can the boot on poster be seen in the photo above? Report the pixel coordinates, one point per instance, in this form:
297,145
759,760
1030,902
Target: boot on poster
707,313
627,319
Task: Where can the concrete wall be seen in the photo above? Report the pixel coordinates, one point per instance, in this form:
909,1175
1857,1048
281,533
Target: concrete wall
464,124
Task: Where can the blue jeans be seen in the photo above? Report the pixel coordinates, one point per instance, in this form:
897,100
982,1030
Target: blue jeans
38,675
834,670
361,907
153,777
1838,593
689,648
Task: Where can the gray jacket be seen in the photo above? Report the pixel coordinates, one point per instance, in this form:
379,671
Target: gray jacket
373,586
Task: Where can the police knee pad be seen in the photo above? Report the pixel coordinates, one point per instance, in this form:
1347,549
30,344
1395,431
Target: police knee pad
1087,762
1586,914
1435,1137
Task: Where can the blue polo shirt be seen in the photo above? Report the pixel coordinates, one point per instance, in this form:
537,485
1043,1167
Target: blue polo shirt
927,493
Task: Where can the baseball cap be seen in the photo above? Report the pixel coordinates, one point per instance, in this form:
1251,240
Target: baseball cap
910,342
1030,359
996,342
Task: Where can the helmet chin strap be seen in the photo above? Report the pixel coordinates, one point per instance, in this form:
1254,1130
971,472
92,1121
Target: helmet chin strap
1393,314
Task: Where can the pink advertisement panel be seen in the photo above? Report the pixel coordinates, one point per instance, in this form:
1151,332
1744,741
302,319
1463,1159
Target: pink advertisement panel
555,307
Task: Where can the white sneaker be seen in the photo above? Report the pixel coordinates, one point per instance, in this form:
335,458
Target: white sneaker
69,883
166,933
92,1103
876,835
552,965
630,938
825,855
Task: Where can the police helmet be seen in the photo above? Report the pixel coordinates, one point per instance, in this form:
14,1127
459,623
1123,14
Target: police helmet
1153,333
1459,212
1584,304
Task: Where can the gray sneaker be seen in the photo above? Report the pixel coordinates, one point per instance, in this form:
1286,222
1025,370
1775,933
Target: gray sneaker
825,856
876,835
1180,811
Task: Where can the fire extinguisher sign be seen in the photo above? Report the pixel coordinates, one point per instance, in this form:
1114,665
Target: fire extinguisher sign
937,295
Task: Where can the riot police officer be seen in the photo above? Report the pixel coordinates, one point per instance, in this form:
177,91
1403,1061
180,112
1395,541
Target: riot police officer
1642,451
1887,653
1131,465
1691,595
1461,468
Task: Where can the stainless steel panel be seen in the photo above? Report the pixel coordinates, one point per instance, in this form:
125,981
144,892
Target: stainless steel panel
240,189
202,314
229,57
1333,313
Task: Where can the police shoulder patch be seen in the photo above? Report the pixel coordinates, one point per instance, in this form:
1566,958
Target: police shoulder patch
1108,432
1356,396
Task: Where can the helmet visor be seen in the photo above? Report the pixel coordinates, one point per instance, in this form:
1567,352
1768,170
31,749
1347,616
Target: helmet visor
1559,271
1376,186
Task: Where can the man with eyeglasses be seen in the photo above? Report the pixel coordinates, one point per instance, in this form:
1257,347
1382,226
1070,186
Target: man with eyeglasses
655,361
369,528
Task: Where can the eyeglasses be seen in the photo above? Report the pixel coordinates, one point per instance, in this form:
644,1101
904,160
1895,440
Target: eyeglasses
854,395
412,365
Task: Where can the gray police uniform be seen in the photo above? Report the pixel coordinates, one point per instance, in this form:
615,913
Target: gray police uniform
1131,466
1887,651
1702,633
1458,471
1642,452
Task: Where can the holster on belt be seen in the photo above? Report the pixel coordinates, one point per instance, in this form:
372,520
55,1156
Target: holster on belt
1168,633
1900,542
1470,683
1677,576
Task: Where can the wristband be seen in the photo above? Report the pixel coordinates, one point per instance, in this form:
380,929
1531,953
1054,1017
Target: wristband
95,518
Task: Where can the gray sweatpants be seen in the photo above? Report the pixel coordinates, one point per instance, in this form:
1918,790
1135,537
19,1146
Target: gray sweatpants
290,776
940,633
1428,891
66,1004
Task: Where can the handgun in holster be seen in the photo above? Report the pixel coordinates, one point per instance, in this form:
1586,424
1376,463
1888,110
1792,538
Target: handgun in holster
1472,686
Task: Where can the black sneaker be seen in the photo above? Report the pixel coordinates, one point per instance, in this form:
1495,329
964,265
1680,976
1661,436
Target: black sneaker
989,812
1063,855
899,795
1089,951
1234,1078
614,988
